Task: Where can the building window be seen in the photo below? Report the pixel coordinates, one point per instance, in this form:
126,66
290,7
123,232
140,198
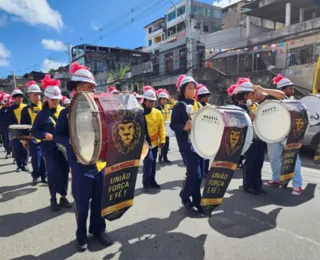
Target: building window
162,37
181,27
169,62
171,31
205,28
301,55
157,39
206,12
172,16
150,29
196,24
181,10
216,14
149,43
195,10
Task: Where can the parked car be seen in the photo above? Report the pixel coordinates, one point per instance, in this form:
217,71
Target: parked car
312,137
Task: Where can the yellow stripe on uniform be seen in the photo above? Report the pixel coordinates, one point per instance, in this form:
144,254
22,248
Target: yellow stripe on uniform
17,112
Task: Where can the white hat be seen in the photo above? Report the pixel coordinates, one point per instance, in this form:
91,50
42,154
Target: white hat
16,92
163,93
113,90
67,101
282,82
244,85
149,93
202,90
81,73
51,86
5,98
33,87
187,79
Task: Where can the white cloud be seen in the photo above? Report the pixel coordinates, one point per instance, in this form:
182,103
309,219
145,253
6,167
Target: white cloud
33,12
3,20
95,26
4,56
225,3
51,64
53,45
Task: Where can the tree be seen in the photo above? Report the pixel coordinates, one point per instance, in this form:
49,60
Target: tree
119,74
51,71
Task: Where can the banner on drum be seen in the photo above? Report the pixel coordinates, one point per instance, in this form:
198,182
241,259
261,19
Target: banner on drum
225,162
316,158
299,124
126,134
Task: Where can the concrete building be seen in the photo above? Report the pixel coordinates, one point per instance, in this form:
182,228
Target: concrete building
155,34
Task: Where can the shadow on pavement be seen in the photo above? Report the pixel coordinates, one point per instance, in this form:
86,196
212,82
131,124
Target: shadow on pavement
14,187
14,194
15,223
240,219
1,173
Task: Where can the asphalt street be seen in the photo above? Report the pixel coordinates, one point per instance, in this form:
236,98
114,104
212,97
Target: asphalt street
276,225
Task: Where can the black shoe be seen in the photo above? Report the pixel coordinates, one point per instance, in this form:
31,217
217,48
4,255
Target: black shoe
252,191
44,181
25,169
7,155
54,205
104,239
81,246
155,186
18,169
167,161
64,203
261,190
160,161
200,210
34,181
146,186
189,206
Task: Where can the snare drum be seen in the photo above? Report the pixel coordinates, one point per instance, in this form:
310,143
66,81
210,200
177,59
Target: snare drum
312,103
22,132
169,131
208,126
273,119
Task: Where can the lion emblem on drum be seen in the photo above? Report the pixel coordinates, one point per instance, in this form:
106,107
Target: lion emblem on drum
301,124
126,132
234,140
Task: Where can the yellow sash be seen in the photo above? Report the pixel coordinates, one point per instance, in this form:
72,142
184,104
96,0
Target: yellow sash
100,165
195,106
17,112
33,115
56,115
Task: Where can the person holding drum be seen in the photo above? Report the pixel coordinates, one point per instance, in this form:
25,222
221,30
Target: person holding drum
202,95
42,129
87,180
165,108
244,96
275,150
28,116
14,118
181,124
155,136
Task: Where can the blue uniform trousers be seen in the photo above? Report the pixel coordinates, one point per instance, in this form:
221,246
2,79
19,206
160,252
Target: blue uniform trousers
20,153
253,165
192,184
149,166
58,171
37,161
83,189
6,140
165,149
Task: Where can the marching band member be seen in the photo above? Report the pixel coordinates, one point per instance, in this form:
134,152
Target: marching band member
1,119
87,180
165,109
113,90
5,130
14,118
275,150
42,129
181,125
66,102
202,95
28,116
155,136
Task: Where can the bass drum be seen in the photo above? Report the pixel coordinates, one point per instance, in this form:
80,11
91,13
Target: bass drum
312,103
208,125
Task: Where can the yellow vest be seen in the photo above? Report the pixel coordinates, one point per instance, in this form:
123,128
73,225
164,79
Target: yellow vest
33,114
155,126
17,112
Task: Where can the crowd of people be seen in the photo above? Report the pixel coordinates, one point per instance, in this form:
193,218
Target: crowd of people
53,158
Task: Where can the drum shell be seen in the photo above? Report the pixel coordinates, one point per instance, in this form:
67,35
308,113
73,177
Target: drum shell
104,131
20,133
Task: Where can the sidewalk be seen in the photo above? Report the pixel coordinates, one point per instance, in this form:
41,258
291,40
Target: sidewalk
272,226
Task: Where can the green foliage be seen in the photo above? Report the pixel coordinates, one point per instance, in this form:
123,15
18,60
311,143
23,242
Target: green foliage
119,74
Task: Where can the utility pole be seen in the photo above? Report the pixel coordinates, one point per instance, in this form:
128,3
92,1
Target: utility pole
189,40
14,80
70,59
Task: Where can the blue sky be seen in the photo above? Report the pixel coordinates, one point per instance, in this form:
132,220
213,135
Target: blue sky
33,32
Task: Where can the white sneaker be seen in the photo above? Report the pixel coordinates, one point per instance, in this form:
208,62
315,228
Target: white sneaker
296,191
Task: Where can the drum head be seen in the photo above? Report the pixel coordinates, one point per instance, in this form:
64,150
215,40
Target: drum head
22,127
207,131
272,122
85,128
312,103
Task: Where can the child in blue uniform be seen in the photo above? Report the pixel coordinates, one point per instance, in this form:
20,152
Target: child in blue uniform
4,125
13,117
42,129
87,180
181,124
28,116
